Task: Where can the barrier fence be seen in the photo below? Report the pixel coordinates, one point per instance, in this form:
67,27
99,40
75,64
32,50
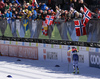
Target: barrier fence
59,33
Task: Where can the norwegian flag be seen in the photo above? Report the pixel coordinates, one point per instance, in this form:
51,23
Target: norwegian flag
86,16
80,29
49,20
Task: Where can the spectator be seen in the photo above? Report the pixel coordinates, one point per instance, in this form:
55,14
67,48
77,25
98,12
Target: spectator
33,16
24,4
17,7
13,11
2,6
28,13
21,9
74,4
43,6
13,17
67,16
10,6
44,14
5,15
96,10
63,14
16,10
6,6
9,14
20,14
46,8
37,8
30,16
33,10
16,15
58,12
99,14
40,4
40,15
49,12
29,7
81,4
7,1
76,14
53,13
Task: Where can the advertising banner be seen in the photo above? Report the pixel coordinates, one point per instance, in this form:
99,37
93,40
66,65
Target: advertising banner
13,50
49,54
47,45
6,42
4,49
81,58
94,59
82,48
1,41
28,52
13,42
91,49
19,43
33,44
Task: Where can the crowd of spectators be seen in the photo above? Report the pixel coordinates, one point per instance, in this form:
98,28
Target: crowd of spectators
15,10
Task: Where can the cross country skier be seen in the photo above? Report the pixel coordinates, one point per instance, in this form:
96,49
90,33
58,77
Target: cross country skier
75,59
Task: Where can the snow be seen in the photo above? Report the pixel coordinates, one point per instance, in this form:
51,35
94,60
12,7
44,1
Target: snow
35,69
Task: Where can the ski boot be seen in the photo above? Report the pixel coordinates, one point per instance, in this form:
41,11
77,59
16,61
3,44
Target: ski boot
74,71
77,70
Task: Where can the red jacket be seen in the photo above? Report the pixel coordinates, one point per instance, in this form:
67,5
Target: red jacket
2,4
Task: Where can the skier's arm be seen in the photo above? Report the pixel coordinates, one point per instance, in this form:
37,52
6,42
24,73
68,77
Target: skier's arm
77,50
70,50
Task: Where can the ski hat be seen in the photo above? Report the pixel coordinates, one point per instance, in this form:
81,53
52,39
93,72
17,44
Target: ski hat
73,47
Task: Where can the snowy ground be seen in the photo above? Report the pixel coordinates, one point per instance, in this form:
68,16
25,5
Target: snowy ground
33,69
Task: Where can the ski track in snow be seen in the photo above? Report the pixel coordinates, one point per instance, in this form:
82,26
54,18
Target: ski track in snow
35,69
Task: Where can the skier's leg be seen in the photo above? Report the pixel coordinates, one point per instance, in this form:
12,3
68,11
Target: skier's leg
74,66
77,67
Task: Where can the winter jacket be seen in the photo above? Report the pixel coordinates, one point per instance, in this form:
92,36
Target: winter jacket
34,16
43,7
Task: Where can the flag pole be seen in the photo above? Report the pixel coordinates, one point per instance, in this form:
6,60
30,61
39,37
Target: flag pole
68,66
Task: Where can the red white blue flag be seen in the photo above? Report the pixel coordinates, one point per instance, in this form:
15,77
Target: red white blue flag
86,16
80,29
49,20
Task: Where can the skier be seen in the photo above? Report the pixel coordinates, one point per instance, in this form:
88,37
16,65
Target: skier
75,59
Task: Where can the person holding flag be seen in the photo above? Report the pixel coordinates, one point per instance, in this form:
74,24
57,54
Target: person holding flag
75,59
